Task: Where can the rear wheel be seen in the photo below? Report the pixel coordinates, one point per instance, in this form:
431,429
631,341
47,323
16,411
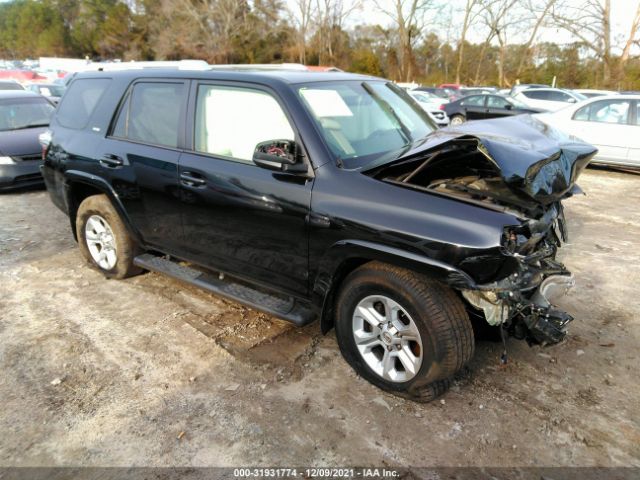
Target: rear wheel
457,120
401,331
103,238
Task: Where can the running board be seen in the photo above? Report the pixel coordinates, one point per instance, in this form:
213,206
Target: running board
282,307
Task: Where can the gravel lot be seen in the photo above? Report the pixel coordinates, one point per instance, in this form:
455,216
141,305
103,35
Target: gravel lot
151,372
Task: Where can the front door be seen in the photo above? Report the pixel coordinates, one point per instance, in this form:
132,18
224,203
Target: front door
140,159
238,217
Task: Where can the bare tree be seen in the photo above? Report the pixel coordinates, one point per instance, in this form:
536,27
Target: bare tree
540,12
471,12
590,22
408,18
331,15
302,15
499,17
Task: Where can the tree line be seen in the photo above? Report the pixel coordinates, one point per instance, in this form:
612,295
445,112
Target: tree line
475,42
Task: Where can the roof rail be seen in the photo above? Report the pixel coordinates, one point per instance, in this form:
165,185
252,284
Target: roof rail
179,64
261,66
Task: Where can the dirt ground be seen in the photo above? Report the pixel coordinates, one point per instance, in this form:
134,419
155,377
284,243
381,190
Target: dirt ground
151,372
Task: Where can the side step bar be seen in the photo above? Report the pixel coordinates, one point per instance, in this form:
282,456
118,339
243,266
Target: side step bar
286,308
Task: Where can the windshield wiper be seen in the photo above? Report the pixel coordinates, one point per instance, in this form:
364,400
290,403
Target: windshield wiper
406,133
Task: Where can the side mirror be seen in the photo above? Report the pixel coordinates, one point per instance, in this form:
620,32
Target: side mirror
279,155
572,100
508,106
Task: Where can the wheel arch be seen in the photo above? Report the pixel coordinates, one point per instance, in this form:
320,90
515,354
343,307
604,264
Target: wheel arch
80,185
347,255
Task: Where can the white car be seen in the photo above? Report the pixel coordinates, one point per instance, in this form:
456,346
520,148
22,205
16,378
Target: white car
432,104
611,123
590,92
551,99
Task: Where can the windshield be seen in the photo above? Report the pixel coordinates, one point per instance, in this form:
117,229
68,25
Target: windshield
365,121
579,96
16,114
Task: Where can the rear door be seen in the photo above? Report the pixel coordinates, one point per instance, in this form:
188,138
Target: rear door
139,157
605,124
238,217
474,107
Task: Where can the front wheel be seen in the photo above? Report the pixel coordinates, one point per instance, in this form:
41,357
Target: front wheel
402,331
457,120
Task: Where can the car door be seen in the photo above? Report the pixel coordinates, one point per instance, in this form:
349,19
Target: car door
498,107
474,107
139,157
605,124
633,155
240,218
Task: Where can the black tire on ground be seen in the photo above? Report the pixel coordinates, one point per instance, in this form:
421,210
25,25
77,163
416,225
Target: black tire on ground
126,247
439,314
457,119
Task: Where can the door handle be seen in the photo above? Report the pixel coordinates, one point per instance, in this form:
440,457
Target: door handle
191,179
111,161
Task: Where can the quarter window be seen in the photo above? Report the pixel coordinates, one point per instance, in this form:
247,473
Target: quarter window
604,111
80,101
151,114
231,121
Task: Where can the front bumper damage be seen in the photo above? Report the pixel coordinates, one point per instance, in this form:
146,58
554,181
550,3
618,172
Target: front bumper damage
525,302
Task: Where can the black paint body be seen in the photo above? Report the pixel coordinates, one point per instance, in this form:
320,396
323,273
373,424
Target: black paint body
295,234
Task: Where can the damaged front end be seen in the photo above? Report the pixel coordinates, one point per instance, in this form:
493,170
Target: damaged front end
518,166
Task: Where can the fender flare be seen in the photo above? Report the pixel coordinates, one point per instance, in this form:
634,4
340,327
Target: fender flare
331,270
76,176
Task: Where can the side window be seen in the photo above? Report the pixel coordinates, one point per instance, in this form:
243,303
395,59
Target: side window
475,101
583,113
231,121
559,97
536,94
80,100
496,102
151,114
609,111
637,113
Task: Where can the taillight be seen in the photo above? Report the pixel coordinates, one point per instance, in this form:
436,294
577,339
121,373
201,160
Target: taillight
441,107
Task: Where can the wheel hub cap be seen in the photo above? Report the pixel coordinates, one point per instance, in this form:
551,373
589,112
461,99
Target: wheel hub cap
387,338
101,242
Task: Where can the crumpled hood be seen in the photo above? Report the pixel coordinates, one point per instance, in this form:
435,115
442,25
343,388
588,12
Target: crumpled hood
533,159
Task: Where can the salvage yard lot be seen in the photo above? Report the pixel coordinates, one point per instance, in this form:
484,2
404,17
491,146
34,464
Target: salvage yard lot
148,371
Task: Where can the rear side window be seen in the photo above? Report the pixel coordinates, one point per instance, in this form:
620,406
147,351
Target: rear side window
151,114
80,101
604,111
477,101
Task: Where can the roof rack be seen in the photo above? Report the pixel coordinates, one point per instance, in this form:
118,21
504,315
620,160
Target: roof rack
179,64
261,66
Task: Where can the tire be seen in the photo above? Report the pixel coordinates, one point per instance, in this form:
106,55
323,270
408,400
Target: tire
457,120
434,339
99,213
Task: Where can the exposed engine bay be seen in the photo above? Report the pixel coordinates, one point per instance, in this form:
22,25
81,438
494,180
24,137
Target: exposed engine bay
527,174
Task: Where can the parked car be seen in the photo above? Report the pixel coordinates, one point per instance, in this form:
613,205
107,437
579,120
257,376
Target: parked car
433,105
10,85
525,86
590,93
478,107
611,123
451,86
550,99
23,117
323,196
445,93
50,90
477,91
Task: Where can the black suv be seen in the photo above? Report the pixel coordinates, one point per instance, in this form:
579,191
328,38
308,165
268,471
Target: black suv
322,195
